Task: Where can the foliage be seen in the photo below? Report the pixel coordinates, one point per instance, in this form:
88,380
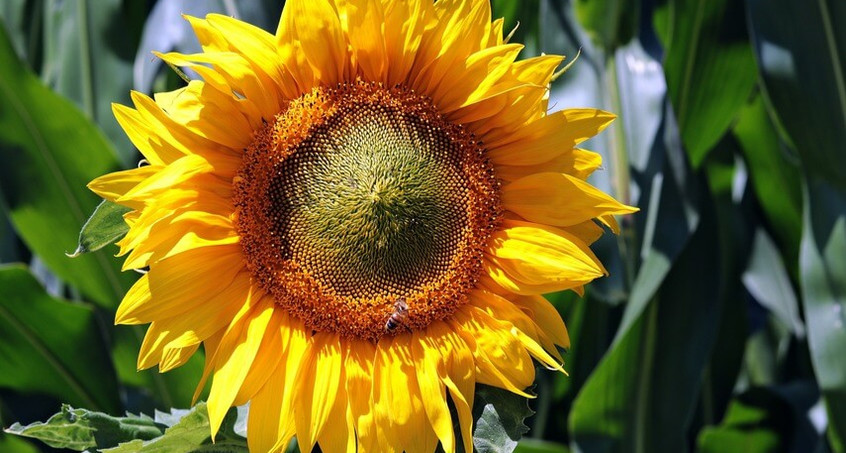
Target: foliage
721,327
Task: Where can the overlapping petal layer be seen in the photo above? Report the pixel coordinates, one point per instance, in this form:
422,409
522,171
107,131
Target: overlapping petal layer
347,393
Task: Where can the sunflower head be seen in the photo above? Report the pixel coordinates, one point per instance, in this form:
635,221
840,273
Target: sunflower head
356,218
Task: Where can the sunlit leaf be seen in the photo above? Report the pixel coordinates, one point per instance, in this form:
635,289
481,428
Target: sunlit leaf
799,48
775,175
81,429
49,153
89,48
822,266
498,419
40,343
709,66
642,394
104,227
191,433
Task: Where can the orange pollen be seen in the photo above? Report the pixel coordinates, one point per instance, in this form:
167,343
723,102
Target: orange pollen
362,211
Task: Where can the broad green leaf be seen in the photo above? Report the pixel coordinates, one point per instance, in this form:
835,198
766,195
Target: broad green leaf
104,227
725,173
498,419
49,153
756,421
51,346
81,429
709,66
191,433
775,176
642,394
610,23
529,445
822,266
670,203
12,444
799,48
767,281
89,46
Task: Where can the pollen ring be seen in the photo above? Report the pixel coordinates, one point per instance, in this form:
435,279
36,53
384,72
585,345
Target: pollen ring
358,195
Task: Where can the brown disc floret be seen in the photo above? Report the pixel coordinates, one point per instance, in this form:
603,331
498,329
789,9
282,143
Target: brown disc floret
358,195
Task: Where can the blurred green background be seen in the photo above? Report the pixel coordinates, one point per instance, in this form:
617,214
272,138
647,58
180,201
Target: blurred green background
721,327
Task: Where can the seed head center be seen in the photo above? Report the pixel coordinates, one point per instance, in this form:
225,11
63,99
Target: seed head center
358,196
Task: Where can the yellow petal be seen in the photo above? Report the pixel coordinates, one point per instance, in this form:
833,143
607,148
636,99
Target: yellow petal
546,317
507,317
112,186
315,25
359,381
558,199
428,349
156,150
318,381
179,283
405,24
472,80
239,352
363,22
173,175
268,356
397,400
528,258
537,142
576,162
267,423
501,360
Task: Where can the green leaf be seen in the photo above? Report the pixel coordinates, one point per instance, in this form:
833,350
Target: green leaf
767,281
529,445
756,421
41,339
81,429
49,153
13,444
610,23
191,433
706,42
104,227
498,419
776,179
88,59
799,48
822,265
642,394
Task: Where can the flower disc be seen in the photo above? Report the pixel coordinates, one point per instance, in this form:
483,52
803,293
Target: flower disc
356,218
359,195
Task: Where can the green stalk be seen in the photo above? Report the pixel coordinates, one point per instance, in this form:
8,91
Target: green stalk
621,177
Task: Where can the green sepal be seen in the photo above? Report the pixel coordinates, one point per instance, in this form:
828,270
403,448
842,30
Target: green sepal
104,227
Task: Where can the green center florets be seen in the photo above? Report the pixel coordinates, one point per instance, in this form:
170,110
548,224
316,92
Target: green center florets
376,199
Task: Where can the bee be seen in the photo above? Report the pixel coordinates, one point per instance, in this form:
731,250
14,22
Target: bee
398,316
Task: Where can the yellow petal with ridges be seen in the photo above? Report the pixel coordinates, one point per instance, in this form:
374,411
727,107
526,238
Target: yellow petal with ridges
318,381
558,199
231,369
529,258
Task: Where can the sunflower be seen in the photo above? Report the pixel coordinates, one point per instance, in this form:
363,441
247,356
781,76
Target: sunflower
356,218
